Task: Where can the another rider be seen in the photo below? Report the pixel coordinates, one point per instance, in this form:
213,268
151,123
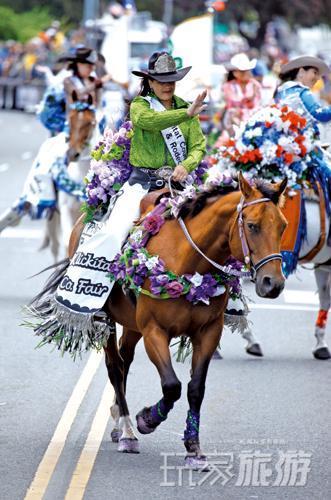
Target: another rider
242,93
298,76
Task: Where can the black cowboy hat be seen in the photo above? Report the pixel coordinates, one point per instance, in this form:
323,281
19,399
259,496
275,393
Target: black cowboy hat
162,68
81,54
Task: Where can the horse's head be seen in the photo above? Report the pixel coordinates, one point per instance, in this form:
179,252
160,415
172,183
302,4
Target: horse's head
81,122
256,234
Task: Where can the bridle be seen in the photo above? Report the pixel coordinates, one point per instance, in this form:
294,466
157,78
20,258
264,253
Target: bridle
253,268
243,239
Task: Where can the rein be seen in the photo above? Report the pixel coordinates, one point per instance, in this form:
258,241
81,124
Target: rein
253,268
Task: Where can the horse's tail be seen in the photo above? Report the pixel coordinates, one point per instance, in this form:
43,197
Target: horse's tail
53,281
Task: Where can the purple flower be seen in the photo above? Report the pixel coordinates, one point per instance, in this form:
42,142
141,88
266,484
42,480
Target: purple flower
161,279
153,223
174,289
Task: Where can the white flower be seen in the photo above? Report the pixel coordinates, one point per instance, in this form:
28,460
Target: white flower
268,151
152,262
108,135
104,173
136,235
219,291
122,132
141,257
89,176
196,279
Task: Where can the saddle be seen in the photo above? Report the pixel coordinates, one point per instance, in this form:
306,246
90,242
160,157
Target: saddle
293,211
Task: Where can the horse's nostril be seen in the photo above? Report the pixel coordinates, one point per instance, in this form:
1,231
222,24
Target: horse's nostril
267,282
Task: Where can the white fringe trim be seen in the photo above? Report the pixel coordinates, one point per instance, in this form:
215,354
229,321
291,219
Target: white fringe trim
70,331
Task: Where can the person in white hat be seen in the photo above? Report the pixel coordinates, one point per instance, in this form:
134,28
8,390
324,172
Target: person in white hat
241,93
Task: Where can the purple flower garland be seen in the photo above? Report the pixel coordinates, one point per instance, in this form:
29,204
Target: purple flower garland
134,265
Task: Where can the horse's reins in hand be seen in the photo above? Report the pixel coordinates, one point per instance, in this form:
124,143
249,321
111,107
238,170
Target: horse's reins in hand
253,268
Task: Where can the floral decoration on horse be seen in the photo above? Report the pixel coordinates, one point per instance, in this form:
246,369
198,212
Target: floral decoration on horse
135,264
109,169
275,143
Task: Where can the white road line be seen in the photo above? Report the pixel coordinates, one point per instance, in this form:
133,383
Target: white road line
82,472
48,463
300,297
29,234
283,307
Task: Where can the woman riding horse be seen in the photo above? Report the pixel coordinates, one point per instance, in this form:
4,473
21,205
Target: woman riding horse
298,77
49,168
166,133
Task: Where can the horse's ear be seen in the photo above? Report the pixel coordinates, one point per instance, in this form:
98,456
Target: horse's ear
280,188
90,100
244,186
74,96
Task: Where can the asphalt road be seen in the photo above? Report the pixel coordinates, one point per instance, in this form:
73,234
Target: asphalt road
264,421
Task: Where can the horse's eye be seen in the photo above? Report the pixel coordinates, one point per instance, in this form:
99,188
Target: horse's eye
253,228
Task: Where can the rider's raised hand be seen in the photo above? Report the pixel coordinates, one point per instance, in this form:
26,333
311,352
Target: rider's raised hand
197,105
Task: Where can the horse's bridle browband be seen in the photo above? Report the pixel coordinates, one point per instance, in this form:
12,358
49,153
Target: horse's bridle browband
253,268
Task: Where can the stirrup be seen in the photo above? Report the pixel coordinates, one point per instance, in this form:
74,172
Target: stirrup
102,318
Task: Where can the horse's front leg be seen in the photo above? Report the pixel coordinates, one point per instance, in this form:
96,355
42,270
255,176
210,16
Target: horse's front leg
127,346
323,280
157,347
204,342
128,441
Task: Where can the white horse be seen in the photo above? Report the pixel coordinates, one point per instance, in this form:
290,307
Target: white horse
61,207
322,270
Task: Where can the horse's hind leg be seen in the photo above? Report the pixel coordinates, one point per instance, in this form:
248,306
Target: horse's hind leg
157,347
323,280
204,344
128,441
127,345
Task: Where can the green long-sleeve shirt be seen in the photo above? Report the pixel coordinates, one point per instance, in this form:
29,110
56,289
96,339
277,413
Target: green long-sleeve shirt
148,148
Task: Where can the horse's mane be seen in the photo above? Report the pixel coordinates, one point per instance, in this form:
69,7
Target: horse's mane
195,206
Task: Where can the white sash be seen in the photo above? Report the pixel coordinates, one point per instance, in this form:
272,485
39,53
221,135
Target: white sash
173,137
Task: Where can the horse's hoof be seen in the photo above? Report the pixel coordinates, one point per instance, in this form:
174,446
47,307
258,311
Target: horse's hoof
194,462
115,435
142,425
322,353
128,445
255,350
217,355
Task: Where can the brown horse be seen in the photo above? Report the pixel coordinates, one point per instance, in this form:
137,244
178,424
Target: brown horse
246,224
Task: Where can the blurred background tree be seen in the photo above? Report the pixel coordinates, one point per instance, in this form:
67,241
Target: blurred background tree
38,12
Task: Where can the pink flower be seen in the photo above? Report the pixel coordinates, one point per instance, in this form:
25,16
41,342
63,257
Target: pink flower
153,223
174,289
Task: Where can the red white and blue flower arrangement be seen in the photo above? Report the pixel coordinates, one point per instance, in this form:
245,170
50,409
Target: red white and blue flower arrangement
275,142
